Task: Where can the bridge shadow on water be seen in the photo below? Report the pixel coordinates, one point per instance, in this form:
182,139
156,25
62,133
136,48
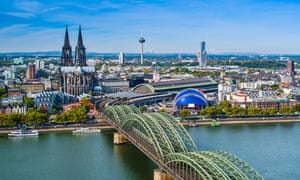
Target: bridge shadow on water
130,159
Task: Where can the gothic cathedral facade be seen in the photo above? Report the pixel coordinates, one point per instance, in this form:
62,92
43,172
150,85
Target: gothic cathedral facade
74,76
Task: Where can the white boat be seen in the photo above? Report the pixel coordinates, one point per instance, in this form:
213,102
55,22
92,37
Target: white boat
23,133
86,130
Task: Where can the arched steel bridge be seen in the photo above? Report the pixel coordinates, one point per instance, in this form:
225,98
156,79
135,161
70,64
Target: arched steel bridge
169,145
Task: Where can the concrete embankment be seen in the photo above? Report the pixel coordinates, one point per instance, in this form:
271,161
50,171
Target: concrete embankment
241,121
102,127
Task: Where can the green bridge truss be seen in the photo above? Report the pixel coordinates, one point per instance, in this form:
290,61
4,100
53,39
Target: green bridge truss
168,141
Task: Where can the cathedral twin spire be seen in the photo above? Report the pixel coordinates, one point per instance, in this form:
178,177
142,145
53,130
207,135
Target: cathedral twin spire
80,56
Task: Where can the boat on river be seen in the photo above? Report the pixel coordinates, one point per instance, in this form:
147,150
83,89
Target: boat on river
86,131
23,133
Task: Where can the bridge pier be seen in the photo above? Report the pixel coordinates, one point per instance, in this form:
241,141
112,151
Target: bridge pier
159,174
119,138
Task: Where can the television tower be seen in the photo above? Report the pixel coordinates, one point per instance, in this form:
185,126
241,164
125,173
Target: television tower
142,41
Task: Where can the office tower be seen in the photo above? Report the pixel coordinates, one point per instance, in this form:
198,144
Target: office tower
142,41
290,67
121,58
30,73
203,55
39,65
291,70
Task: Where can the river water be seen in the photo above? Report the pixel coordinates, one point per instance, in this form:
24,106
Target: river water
273,150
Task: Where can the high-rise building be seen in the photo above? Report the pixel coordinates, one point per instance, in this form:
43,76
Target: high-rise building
290,67
203,55
30,73
39,65
75,77
291,70
121,58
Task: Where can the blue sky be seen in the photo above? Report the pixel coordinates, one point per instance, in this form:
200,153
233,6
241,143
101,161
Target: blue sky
263,26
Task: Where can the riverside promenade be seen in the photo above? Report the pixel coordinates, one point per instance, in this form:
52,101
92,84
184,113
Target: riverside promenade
250,120
105,126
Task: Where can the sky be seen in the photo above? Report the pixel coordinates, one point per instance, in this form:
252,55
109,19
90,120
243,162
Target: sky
177,26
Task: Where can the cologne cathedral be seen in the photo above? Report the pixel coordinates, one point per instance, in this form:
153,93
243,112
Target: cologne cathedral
74,76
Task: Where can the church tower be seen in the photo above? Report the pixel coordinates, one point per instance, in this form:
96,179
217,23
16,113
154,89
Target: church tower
66,56
80,58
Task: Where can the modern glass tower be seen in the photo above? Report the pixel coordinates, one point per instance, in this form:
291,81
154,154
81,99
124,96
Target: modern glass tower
203,55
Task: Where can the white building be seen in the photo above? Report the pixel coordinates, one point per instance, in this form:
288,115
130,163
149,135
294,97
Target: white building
121,58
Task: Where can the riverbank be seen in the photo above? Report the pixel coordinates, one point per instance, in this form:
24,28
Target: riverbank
239,121
105,126
102,127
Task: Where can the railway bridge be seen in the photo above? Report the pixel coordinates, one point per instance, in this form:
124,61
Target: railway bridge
167,143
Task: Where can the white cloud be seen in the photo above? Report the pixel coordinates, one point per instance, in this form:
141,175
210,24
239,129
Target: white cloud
21,14
28,6
13,28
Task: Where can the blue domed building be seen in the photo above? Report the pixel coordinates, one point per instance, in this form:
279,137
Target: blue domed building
192,99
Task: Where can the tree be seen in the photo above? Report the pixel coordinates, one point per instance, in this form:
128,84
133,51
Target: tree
270,111
86,102
251,111
36,118
212,111
297,108
28,101
238,111
185,113
143,108
286,110
162,110
75,115
274,87
2,91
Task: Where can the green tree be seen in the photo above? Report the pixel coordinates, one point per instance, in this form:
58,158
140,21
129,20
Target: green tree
252,111
143,108
185,113
75,115
6,120
17,118
286,110
297,108
2,91
60,118
28,101
238,111
275,87
212,111
36,118
271,111
162,110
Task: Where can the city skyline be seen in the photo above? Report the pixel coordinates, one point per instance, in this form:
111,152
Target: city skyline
169,27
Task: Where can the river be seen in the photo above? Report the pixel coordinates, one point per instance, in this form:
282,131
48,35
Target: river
272,149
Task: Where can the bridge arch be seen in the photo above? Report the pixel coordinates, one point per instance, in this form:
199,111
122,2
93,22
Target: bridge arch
175,137
118,113
135,124
167,143
211,164
185,136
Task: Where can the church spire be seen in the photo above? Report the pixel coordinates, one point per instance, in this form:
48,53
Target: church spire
80,57
80,42
67,41
66,56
